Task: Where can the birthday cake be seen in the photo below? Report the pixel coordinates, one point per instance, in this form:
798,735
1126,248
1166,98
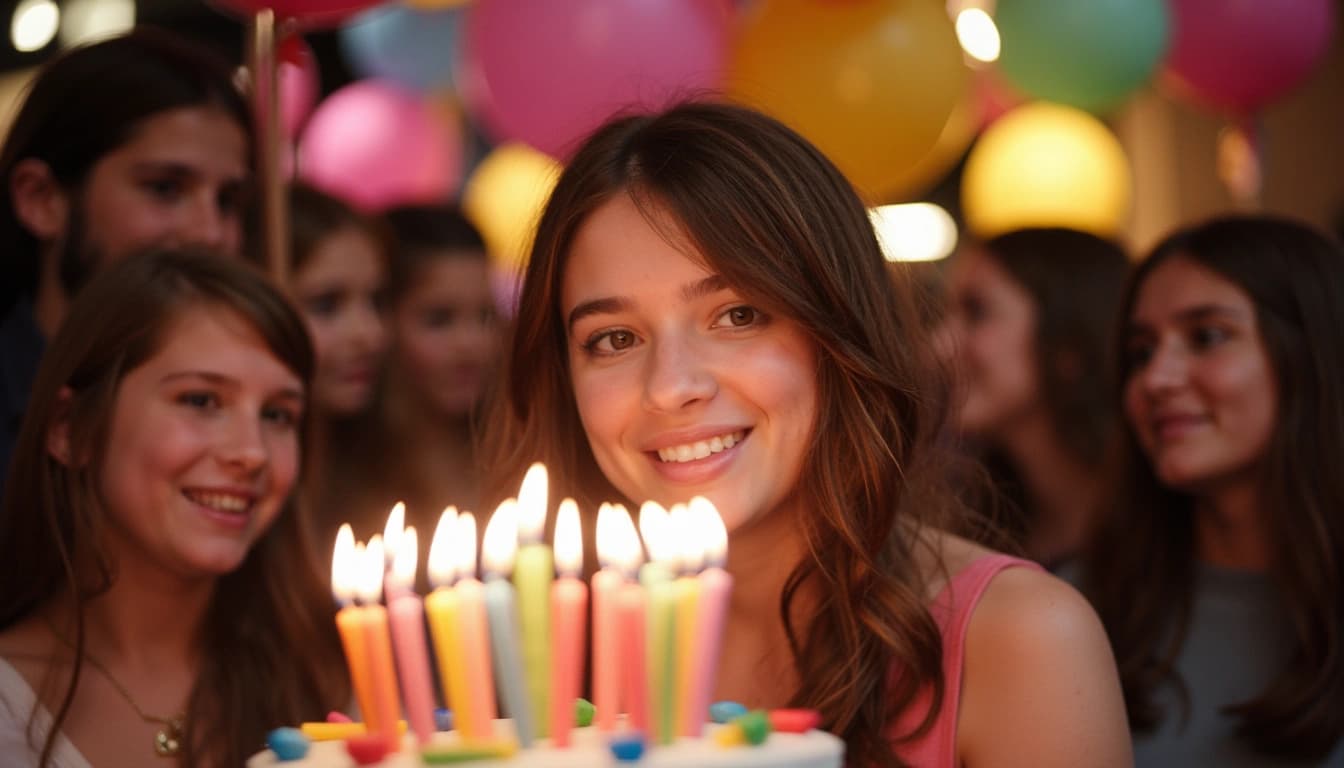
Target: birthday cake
590,749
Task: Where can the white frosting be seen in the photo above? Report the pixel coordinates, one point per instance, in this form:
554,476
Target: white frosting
814,749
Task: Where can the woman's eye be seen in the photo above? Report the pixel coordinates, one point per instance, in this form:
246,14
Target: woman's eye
609,342
741,316
198,399
163,189
323,304
281,415
1204,337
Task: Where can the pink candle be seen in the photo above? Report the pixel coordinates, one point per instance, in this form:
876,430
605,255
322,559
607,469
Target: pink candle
407,613
631,618
606,665
715,585
569,607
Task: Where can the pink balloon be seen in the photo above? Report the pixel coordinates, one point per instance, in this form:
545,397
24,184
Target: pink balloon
1239,55
313,11
547,73
376,145
297,82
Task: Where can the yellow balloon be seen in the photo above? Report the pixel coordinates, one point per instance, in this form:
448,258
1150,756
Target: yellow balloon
870,82
1046,165
504,198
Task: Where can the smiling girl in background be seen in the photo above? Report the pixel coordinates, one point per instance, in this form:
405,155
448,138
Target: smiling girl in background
158,594
706,311
1220,575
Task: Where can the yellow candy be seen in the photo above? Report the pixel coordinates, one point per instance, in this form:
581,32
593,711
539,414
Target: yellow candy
730,735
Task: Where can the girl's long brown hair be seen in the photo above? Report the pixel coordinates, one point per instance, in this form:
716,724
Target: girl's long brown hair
270,653
771,215
1141,572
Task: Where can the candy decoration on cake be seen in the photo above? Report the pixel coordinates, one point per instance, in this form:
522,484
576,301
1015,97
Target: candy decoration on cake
656,637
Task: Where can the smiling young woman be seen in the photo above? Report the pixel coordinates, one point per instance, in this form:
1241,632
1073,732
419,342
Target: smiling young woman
714,296
1220,571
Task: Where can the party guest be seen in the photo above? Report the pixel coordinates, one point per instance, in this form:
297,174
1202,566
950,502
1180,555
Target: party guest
706,311
1220,573
1028,329
158,594
133,141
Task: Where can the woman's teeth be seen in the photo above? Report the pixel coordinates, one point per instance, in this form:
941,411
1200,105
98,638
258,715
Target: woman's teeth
700,448
225,502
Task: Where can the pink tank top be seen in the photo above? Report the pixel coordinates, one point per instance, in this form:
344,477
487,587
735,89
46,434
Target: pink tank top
952,609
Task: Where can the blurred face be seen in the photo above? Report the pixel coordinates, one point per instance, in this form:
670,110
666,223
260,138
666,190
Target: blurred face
178,180
203,448
683,387
989,334
1200,394
447,333
339,289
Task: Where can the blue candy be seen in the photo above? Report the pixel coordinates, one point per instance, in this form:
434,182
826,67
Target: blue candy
443,719
628,748
726,711
287,744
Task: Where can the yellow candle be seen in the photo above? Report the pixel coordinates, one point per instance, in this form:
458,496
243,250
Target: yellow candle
441,607
656,577
473,631
382,677
686,591
533,572
340,731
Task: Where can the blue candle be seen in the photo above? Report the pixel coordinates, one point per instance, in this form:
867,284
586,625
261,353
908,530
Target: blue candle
501,607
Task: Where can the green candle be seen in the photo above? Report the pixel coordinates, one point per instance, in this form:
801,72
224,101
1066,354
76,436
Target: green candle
533,572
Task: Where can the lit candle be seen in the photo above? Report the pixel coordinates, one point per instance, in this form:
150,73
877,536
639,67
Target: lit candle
569,613
501,542
443,608
656,576
631,615
406,612
687,589
392,532
533,572
378,645
344,564
606,666
715,585
474,629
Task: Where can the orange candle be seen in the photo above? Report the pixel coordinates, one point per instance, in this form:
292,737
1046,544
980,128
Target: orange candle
714,584
473,630
631,618
343,567
569,610
382,676
606,666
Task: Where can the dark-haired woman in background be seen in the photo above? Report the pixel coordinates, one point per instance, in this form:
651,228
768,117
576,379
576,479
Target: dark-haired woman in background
1220,573
1030,319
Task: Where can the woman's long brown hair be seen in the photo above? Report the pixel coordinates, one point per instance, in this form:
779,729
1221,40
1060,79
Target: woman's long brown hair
270,654
771,215
1141,572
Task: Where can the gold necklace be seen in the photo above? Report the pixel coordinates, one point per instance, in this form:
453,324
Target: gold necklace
168,739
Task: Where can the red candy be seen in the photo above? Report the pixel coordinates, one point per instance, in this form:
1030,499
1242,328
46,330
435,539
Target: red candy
794,720
366,750
338,717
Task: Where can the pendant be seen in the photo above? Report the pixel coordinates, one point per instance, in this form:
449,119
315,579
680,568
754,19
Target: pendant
168,741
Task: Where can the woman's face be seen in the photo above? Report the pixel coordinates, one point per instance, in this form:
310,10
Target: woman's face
683,388
446,333
989,334
203,447
179,180
1200,393
339,289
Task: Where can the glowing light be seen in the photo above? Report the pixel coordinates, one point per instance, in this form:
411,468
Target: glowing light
89,20
977,34
34,24
914,231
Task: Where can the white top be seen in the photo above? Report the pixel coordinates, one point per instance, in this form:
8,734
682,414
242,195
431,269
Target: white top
17,704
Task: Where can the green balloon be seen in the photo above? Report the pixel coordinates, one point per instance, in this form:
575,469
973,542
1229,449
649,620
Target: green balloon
1090,54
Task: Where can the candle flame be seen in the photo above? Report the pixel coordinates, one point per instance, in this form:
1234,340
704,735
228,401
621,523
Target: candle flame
464,550
568,539
406,559
501,539
532,500
684,529
711,531
396,523
441,562
654,525
629,555
605,530
372,566
342,560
